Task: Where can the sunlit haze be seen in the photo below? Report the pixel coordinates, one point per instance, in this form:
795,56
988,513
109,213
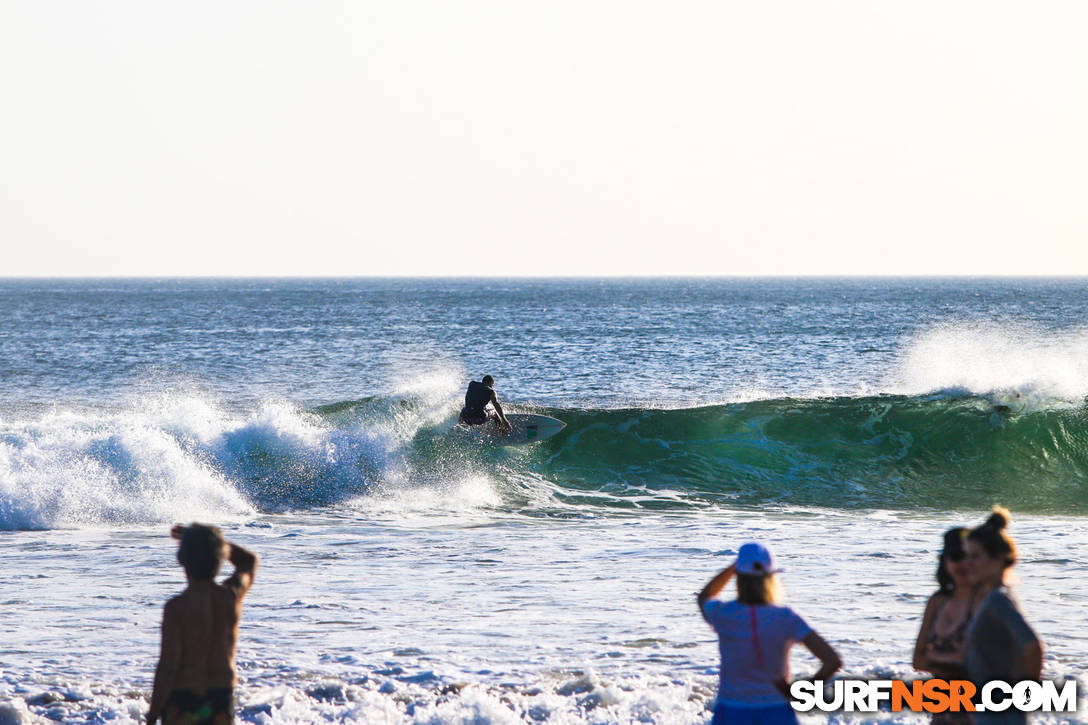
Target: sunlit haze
562,138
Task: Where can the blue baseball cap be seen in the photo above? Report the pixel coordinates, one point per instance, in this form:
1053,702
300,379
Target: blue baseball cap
756,559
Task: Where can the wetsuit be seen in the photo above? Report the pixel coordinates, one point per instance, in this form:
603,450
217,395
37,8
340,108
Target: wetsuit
477,399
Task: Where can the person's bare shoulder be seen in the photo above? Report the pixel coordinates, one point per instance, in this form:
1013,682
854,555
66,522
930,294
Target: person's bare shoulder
227,590
228,597
173,612
936,603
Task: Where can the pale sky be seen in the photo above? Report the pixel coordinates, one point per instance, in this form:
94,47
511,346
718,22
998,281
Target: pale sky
543,138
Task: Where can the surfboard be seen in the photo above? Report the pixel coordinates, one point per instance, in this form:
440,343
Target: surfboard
524,428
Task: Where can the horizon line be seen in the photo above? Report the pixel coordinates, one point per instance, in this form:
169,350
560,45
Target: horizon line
950,275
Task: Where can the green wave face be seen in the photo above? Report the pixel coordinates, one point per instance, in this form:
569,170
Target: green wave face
886,452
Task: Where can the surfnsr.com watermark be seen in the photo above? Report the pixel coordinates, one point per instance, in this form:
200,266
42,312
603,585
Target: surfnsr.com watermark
934,696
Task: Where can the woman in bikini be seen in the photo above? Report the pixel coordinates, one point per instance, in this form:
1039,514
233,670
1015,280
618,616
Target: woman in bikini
939,649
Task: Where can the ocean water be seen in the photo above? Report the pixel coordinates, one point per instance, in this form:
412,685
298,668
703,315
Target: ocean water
410,576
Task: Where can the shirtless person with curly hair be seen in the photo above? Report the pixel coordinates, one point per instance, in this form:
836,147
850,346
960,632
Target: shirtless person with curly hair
194,682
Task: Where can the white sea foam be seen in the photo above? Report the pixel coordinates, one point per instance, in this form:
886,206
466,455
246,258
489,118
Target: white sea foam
588,699
456,496
181,458
484,619
71,470
1009,360
16,712
174,457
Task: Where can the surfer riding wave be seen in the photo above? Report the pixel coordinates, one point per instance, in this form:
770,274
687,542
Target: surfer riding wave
478,397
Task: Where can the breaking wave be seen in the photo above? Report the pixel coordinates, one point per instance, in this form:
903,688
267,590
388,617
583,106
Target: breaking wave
185,459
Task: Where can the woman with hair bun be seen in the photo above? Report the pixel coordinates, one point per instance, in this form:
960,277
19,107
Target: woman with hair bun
755,634
1001,645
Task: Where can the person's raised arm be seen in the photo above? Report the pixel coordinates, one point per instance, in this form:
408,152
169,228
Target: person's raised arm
244,561
245,568
714,586
169,660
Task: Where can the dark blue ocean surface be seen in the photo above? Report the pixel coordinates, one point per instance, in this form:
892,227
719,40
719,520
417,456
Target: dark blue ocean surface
554,342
